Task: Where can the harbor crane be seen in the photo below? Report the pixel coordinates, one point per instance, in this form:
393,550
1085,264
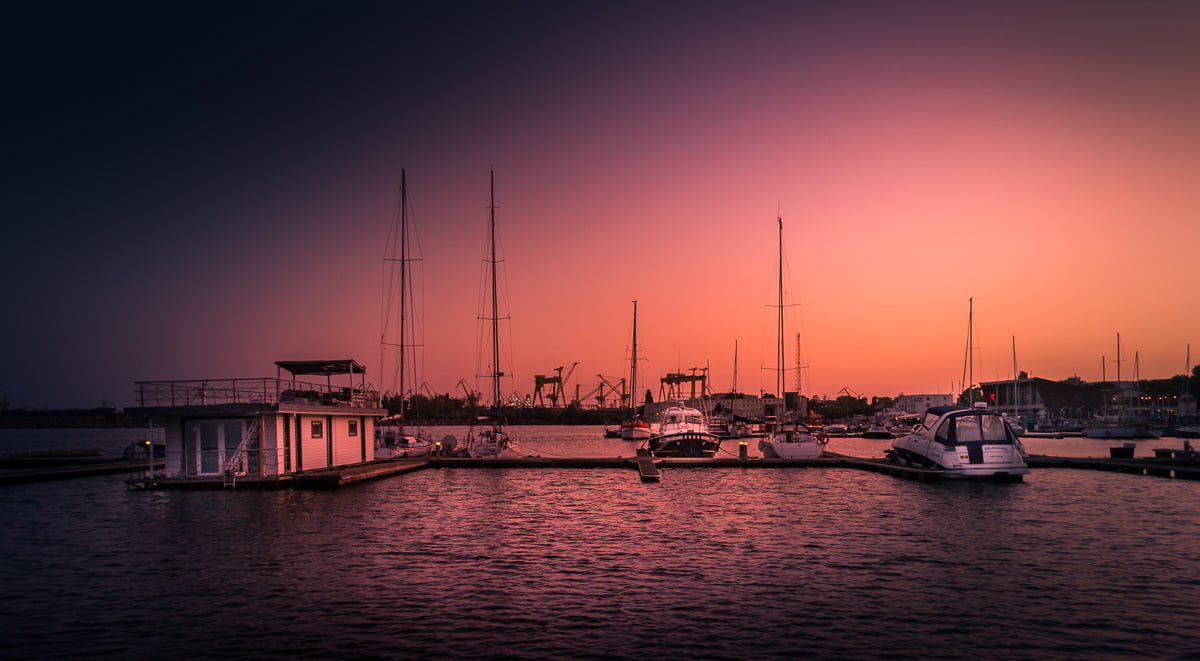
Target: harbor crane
610,391
556,384
669,385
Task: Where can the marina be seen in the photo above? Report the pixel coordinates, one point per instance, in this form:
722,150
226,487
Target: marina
578,552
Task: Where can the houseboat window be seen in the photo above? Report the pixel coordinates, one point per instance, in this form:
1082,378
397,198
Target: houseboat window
317,429
693,419
353,427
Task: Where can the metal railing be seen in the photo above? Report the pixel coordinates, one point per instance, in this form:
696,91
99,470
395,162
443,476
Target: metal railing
267,390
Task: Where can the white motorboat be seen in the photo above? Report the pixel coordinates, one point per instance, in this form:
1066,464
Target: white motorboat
964,443
787,438
683,432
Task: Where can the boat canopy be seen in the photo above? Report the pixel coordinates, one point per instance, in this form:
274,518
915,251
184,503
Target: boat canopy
325,367
974,426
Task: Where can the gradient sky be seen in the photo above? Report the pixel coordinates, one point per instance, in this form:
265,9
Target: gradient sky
196,191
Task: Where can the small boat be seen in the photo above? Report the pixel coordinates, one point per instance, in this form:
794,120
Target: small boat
612,433
683,432
490,440
789,439
878,432
964,443
391,442
635,429
1111,431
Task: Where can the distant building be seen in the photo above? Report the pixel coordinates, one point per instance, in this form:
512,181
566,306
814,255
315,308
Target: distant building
918,403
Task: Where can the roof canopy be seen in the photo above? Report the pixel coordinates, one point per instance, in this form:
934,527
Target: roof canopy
327,367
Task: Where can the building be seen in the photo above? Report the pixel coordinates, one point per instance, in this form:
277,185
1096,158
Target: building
262,429
918,403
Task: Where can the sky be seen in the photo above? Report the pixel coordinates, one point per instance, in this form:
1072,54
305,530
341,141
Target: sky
196,190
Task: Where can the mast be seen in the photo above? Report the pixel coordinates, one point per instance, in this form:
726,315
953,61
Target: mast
969,361
496,373
1016,396
403,286
779,370
633,393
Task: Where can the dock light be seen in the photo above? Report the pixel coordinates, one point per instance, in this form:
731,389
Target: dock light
741,449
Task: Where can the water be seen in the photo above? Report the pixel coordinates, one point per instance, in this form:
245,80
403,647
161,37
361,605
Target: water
561,563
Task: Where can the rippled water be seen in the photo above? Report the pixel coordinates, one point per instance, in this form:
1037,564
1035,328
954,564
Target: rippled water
561,563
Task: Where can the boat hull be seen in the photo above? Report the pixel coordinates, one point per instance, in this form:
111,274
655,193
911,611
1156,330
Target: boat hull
684,444
404,447
1110,432
775,448
635,433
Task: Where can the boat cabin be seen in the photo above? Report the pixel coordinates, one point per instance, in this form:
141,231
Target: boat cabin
314,414
954,425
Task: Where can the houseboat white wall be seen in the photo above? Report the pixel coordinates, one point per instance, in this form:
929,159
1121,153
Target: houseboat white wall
286,442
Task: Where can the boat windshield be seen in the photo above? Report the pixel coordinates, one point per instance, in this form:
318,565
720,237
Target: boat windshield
693,420
974,428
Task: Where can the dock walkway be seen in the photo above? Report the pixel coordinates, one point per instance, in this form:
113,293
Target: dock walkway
649,469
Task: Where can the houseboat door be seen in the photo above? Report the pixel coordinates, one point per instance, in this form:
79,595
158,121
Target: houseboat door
213,441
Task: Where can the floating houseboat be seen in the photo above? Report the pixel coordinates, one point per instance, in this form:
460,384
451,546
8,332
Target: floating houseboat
261,430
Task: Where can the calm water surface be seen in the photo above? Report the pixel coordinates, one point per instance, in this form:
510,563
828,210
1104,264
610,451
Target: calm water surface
557,563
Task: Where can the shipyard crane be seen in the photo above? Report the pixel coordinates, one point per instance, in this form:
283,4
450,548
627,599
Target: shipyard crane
609,389
556,385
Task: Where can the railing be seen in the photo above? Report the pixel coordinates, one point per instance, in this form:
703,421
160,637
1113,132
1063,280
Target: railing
251,391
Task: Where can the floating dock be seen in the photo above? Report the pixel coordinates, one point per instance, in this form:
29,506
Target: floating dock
649,469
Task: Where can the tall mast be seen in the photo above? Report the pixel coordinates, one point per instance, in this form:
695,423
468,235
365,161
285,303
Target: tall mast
779,371
970,359
1016,397
633,393
403,285
496,373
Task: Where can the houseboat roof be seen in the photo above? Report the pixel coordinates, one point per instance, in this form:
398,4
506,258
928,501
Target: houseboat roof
327,367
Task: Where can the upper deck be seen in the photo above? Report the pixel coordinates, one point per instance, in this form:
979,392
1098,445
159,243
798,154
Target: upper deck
267,392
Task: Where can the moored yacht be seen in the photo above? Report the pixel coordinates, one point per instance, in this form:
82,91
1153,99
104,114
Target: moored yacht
683,432
789,439
964,443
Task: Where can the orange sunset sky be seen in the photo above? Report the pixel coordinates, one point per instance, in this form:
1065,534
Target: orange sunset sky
197,192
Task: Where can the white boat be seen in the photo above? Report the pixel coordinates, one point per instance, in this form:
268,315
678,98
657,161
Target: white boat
963,443
683,432
791,440
787,438
391,442
490,439
635,429
391,439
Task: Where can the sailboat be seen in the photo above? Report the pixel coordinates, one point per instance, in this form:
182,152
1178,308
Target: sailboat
391,439
1114,424
490,438
634,429
788,438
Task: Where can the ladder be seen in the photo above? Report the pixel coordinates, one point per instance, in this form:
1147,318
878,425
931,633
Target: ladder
235,464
